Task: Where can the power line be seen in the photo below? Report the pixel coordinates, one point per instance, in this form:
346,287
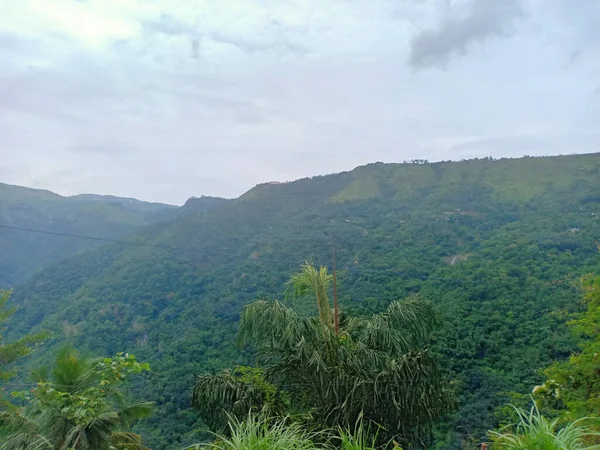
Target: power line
164,247
80,236
348,269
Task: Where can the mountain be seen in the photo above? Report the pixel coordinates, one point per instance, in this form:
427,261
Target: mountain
105,217
492,243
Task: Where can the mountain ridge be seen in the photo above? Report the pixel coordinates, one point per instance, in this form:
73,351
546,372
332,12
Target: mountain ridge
515,229
43,210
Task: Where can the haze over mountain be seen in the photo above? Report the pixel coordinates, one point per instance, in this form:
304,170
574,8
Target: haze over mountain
104,217
492,243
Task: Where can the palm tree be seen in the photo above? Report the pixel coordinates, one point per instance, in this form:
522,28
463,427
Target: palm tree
311,280
378,367
75,406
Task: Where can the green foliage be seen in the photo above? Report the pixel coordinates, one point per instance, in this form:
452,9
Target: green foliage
11,351
77,405
258,432
376,368
573,386
536,432
357,438
232,393
316,282
492,244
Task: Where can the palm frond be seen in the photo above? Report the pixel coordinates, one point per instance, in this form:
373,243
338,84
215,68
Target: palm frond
72,373
311,280
127,441
19,441
269,324
234,393
401,327
24,431
129,413
93,433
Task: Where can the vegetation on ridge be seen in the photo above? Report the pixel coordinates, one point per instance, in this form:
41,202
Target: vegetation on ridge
493,245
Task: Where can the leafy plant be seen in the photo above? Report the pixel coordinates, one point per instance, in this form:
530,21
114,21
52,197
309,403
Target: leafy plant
536,432
76,405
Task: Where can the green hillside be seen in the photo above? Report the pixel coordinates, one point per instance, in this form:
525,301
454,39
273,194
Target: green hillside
492,243
101,216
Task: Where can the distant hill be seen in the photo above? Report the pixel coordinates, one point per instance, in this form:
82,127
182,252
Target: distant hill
23,253
493,243
132,204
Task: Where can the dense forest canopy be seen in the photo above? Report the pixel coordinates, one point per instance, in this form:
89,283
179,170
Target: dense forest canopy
493,244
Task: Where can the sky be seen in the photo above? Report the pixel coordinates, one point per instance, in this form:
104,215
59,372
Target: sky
166,99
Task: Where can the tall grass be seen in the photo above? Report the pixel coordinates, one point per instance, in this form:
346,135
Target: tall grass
360,438
536,432
349,441
257,432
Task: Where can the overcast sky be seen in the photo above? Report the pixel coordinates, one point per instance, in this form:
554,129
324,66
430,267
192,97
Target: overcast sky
162,100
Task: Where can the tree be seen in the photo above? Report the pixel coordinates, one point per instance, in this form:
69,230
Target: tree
77,405
11,351
573,386
378,368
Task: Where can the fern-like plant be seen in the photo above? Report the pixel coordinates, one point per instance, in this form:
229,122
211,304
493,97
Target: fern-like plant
536,432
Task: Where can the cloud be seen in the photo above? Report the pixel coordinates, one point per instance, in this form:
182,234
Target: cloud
273,35
279,90
463,26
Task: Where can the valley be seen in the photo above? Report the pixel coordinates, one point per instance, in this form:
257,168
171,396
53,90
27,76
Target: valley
494,245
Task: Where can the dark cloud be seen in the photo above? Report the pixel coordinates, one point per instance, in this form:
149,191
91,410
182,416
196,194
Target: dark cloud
464,25
195,48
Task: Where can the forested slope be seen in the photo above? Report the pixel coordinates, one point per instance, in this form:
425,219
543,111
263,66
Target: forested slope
103,216
492,243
